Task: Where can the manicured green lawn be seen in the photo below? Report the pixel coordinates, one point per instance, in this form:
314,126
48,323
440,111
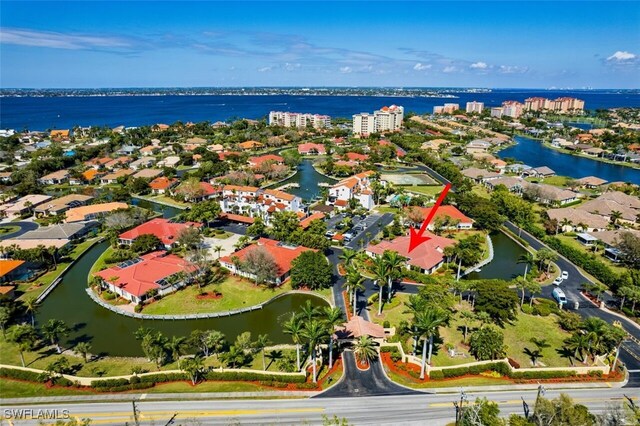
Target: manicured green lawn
222,236
206,387
163,199
453,383
572,242
18,389
388,209
100,264
8,229
432,191
393,312
236,292
480,191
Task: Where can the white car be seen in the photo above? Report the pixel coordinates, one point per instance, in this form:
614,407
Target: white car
557,281
565,275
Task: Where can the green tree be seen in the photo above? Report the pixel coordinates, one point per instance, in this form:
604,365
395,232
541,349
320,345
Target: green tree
347,256
561,412
31,307
528,260
427,323
177,346
5,318
365,349
332,317
257,228
260,344
204,212
25,337
84,349
295,328
380,274
146,243
497,299
190,238
315,332
395,264
53,330
284,224
482,412
487,343
311,269
155,347
195,368
261,264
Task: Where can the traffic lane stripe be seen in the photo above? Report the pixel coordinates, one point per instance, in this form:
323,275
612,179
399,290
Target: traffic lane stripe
246,412
519,401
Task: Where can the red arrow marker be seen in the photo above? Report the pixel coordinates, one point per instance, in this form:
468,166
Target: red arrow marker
416,236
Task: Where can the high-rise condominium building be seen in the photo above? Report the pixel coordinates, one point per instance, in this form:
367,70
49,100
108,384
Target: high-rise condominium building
386,119
475,107
295,119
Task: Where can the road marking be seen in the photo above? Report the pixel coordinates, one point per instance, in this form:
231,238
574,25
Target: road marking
519,401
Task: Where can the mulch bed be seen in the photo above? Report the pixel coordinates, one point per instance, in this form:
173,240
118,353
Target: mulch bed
362,365
401,368
347,305
213,296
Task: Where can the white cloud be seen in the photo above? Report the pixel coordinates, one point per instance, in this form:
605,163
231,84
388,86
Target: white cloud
421,67
56,40
291,67
265,69
479,65
512,69
345,70
449,69
622,56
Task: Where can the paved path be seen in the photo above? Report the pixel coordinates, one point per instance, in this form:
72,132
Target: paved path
24,227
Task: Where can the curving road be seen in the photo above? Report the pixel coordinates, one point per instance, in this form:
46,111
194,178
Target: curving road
24,227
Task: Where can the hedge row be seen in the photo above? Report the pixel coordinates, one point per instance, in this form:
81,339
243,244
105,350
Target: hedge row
503,369
31,376
250,376
587,262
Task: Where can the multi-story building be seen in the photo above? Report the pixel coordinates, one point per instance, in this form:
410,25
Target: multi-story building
560,105
386,119
295,119
252,201
497,112
356,187
512,109
447,108
475,107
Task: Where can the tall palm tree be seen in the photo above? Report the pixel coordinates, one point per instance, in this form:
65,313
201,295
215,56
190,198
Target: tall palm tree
295,328
521,284
595,330
177,346
218,249
53,329
415,305
332,317
30,307
380,273
529,260
260,344
25,337
315,332
427,323
365,349
467,317
308,312
615,216
83,348
356,286
347,256
578,343
394,262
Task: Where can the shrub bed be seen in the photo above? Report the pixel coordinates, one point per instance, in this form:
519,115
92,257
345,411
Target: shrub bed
249,376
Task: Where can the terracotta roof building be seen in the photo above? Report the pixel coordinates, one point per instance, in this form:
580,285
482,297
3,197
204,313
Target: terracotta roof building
167,231
162,184
282,253
427,257
12,270
259,161
93,211
156,271
444,212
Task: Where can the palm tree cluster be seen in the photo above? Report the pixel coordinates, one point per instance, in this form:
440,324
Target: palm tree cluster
594,337
311,327
387,269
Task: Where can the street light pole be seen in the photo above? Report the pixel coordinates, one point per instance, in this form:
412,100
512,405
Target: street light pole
459,405
541,391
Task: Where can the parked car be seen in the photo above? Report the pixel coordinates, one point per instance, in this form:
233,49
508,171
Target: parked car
557,281
559,296
565,275
330,234
348,236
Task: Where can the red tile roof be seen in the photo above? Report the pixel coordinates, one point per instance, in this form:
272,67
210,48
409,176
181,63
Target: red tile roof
162,183
165,230
308,147
282,254
237,218
354,156
443,211
425,256
264,158
306,222
141,277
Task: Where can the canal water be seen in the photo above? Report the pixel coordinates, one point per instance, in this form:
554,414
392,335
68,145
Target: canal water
307,179
504,265
166,211
533,153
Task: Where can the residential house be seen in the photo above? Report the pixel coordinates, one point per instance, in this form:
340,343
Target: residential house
255,202
550,195
14,270
167,231
149,150
206,192
112,178
55,178
117,163
311,149
98,163
540,172
435,144
61,231
127,150
60,136
455,218
141,163
5,177
148,173
572,219
25,204
170,161
138,279
249,145
480,175
426,258
610,240
591,182
270,158
62,204
162,185
614,201
93,211
306,222
282,253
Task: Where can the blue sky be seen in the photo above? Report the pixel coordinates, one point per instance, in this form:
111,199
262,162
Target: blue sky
369,43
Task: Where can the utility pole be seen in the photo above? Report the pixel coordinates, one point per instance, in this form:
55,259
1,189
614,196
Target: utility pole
459,405
541,392
135,413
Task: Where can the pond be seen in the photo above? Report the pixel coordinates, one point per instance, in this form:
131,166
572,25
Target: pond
504,265
533,153
112,334
307,179
166,211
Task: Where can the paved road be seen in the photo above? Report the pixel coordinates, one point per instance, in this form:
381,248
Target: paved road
415,409
374,224
24,227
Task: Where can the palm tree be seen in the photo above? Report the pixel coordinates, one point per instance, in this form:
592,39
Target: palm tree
615,216
394,262
295,328
427,323
365,349
83,348
356,286
380,273
194,367
233,355
533,288
308,312
315,332
30,307
534,354
177,346
332,317
467,317
578,343
25,336
260,344
565,222
347,256
218,249
53,329
521,284
595,330
529,260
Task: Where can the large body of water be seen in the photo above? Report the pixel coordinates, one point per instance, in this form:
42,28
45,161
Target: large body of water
41,113
504,265
533,153
307,179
